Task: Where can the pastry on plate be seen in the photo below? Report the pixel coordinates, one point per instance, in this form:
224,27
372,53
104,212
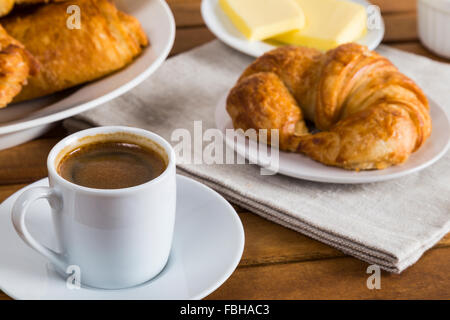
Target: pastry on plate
369,114
108,40
16,64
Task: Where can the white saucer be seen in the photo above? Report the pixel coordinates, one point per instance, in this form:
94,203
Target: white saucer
221,26
208,245
299,166
27,120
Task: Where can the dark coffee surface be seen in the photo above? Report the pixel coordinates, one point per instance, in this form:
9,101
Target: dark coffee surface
111,165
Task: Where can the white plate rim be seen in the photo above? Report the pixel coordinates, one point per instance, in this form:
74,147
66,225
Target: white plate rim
63,114
257,48
223,121
232,212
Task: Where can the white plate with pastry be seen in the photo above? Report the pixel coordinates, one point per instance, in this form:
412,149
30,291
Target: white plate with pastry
301,167
222,27
104,65
344,116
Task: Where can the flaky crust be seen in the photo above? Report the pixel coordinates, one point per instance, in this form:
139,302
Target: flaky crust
370,115
15,66
107,41
7,5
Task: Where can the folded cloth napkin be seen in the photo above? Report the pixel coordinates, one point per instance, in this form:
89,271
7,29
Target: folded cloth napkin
390,224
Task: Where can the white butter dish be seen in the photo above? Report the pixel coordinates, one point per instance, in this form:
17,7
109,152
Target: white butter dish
434,25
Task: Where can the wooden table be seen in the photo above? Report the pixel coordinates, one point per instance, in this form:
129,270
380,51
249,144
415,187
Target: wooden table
278,263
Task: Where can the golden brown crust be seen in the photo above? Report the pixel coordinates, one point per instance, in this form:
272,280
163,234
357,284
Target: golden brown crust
271,106
107,41
6,6
15,66
36,1
371,115
296,67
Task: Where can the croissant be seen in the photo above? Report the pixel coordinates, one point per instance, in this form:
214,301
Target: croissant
108,40
16,64
369,115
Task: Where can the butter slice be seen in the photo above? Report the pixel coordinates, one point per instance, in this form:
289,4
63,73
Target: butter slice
263,19
329,23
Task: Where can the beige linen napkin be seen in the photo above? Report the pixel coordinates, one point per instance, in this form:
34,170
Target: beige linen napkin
390,224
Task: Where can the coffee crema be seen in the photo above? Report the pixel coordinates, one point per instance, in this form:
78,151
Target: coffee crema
111,165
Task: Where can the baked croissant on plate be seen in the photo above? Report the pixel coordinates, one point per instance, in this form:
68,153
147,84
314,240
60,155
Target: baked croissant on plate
370,115
16,64
107,41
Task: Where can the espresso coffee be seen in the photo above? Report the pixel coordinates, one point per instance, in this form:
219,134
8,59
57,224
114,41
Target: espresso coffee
111,165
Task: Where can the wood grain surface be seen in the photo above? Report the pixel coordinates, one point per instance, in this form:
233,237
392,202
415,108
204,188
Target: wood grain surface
279,263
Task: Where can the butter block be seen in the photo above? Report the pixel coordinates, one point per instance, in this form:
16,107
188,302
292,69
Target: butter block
329,23
263,19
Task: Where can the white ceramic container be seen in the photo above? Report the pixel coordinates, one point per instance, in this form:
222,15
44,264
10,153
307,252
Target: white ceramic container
434,25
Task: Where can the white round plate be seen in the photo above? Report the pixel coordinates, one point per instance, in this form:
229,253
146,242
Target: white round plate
222,27
207,247
24,121
299,166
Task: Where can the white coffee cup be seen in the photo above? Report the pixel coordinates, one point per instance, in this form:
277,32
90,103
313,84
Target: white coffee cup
115,238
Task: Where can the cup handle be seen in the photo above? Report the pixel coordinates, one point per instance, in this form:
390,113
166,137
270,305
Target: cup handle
18,219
